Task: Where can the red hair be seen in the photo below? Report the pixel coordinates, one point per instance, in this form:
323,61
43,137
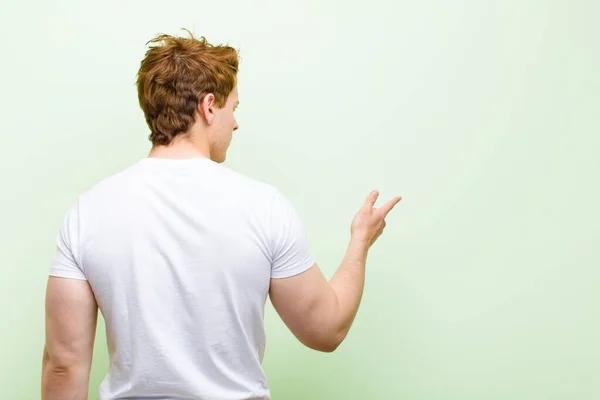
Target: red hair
174,77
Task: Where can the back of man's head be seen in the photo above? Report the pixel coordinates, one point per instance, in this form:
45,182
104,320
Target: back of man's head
174,77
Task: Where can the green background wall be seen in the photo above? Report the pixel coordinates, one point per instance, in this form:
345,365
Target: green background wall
483,115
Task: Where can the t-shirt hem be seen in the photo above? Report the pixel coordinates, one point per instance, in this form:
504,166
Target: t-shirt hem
293,271
60,273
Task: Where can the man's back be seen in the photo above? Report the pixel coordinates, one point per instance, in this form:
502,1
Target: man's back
179,254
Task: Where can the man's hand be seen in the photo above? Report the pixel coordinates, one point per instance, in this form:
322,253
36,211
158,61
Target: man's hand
71,317
369,222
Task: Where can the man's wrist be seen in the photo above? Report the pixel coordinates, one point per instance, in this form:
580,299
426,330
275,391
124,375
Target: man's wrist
359,242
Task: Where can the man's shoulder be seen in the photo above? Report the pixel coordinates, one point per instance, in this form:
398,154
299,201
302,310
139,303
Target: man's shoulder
117,182
128,180
249,184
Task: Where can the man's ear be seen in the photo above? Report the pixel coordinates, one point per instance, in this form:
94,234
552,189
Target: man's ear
206,108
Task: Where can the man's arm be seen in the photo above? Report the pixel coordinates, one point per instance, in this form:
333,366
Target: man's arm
71,317
320,313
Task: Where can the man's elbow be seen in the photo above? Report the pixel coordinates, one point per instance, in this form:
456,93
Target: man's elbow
59,373
327,345
64,379
61,361
57,378
329,348
64,367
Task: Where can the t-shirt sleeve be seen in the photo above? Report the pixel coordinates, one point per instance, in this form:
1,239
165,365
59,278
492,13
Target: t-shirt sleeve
289,244
66,260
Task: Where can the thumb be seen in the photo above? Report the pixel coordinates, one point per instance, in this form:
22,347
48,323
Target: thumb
371,199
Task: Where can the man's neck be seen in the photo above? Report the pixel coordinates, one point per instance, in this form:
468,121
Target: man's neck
182,148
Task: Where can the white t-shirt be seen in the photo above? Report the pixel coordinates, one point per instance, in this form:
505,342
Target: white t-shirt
179,254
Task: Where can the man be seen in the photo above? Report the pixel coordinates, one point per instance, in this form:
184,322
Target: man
179,254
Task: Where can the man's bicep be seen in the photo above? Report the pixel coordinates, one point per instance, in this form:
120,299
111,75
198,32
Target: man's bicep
306,304
71,317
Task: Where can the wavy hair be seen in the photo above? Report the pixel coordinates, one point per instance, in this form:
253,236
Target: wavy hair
175,76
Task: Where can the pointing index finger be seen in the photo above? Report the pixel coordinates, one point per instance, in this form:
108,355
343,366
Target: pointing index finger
387,207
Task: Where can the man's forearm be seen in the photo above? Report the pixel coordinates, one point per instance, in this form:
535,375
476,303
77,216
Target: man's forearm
64,383
348,283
